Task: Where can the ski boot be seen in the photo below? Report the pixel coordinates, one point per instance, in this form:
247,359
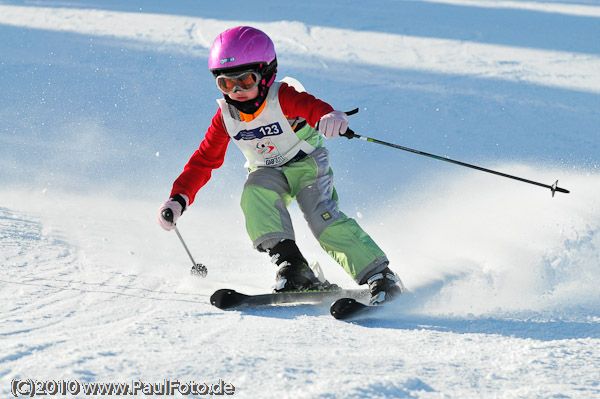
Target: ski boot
384,286
294,273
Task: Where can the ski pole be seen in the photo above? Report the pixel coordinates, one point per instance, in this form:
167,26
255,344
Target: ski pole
198,269
351,135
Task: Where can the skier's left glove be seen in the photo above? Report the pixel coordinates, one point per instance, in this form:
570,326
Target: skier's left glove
333,124
177,204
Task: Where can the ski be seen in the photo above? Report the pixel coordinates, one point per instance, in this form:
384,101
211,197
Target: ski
230,299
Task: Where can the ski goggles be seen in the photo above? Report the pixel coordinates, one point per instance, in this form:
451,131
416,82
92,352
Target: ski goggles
243,81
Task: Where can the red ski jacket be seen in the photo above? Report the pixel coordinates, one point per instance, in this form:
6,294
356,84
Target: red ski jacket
211,153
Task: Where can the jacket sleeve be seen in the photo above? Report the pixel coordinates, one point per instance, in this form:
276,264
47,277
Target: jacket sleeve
304,105
210,155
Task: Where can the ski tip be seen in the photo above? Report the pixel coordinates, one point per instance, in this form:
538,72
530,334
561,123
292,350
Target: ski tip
225,298
344,308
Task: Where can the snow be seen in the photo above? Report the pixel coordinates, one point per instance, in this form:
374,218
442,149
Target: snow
103,102
552,68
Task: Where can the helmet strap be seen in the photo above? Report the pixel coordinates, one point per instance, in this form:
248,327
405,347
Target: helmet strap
247,107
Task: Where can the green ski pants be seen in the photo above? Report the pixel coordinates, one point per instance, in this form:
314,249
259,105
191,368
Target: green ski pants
269,191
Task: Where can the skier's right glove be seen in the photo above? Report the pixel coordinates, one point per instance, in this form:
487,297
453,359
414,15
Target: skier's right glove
177,204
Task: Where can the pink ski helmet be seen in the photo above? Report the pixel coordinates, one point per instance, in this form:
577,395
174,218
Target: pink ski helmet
241,47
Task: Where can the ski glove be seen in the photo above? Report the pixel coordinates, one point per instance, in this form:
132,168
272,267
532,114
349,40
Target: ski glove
177,204
333,124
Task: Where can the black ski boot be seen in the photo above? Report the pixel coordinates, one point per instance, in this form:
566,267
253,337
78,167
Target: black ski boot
384,286
294,273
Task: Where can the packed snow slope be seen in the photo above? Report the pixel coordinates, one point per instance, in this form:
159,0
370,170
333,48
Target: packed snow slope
103,102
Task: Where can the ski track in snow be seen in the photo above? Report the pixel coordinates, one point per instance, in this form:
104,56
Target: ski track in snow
503,279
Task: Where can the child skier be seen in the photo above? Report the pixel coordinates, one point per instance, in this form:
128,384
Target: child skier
273,124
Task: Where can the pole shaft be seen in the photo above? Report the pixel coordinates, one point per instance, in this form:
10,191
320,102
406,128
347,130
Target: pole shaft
185,246
350,134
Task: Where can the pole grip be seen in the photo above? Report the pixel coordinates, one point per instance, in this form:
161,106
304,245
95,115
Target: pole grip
349,134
